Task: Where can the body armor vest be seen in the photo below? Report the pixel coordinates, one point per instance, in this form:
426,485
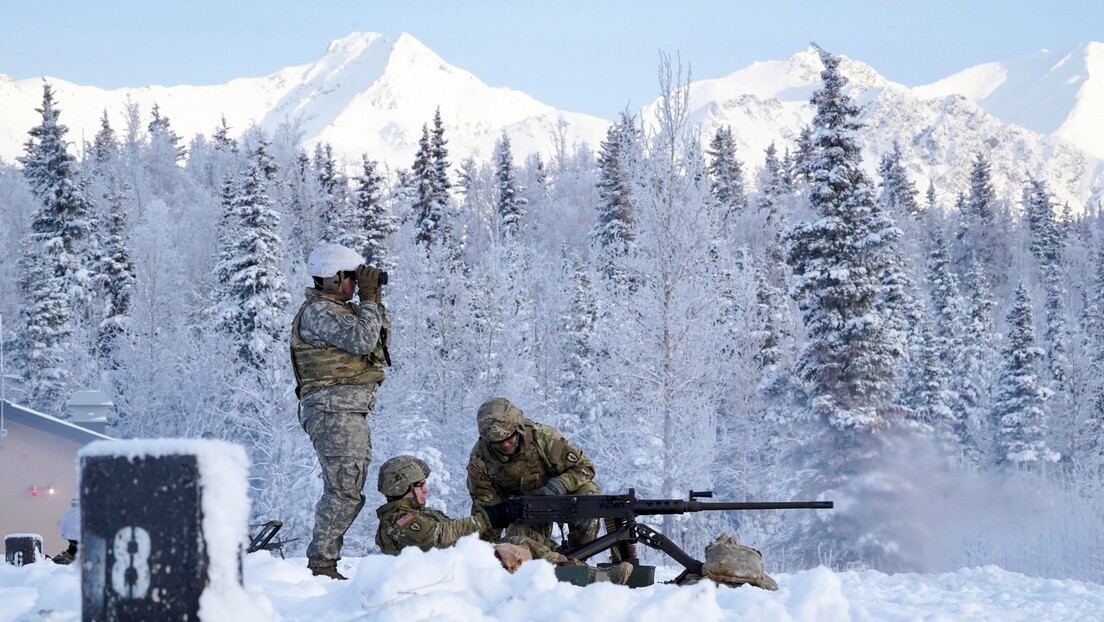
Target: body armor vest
318,367
524,472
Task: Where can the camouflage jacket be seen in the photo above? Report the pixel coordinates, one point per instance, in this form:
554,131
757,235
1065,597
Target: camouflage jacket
324,323
404,523
542,454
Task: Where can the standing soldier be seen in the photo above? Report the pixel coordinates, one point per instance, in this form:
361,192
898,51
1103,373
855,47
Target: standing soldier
338,352
516,456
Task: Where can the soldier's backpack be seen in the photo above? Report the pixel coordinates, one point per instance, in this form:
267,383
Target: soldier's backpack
730,563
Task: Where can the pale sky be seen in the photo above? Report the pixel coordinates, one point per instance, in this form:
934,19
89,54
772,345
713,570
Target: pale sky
596,56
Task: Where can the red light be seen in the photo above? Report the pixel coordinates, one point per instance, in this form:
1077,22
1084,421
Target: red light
34,491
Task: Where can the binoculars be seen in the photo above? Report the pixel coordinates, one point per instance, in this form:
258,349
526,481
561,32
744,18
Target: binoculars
383,277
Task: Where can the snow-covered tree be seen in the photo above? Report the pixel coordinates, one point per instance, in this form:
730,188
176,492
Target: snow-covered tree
115,273
613,228
1018,394
510,205
334,193
255,293
429,177
726,173
368,222
897,195
846,360
57,269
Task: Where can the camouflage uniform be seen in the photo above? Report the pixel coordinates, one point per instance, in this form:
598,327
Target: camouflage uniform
543,454
336,354
404,523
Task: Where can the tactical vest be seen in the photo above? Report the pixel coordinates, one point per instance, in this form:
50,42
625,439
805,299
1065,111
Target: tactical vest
524,472
318,367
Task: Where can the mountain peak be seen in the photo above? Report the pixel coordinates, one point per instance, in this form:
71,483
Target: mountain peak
353,43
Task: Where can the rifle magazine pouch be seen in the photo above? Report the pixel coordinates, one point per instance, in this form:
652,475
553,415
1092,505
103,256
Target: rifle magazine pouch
730,563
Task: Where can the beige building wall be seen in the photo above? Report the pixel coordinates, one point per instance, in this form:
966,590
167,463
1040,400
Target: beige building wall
32,457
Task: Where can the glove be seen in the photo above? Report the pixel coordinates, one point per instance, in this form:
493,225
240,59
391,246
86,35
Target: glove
368,284
503,514
553,487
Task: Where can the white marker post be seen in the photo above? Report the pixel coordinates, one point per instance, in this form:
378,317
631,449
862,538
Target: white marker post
162,521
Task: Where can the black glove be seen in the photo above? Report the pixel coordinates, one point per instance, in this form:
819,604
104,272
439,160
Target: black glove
368,283
553,487
503,514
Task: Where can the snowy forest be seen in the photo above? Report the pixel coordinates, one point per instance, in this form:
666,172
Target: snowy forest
782,329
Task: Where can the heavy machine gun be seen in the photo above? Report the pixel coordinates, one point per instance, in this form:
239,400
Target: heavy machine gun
623,532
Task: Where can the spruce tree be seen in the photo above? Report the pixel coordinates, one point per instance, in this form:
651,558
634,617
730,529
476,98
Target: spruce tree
509,205
432,202
613,229
803,160
57,269
333,193
926,391
105,148
846,359
1019,396
726,174
255,294
164,142
972,375
897,194
116,274
771,184
369,224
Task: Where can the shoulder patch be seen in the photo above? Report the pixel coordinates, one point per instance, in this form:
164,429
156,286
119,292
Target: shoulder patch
570,456
404,520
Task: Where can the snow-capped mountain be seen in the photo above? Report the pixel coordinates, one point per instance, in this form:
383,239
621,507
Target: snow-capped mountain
940,134
371,93
1055,93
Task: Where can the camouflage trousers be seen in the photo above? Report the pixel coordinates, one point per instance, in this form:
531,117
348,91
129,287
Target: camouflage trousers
343,443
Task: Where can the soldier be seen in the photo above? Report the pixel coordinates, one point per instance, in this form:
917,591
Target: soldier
338,352
406,521
516,456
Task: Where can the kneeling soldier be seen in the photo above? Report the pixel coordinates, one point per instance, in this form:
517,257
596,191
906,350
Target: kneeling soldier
515,456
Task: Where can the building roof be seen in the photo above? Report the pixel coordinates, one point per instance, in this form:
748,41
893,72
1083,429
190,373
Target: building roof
42,421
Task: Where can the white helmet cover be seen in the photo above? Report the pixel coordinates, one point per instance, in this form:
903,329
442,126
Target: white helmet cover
328,259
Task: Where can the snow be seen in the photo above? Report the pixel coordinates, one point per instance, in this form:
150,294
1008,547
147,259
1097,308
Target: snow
1046,92
466,583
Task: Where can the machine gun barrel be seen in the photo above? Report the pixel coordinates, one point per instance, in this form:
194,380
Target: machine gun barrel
679,506
570,508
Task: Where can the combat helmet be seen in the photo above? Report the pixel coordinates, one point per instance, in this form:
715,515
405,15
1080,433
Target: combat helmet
498,419
398,474
328,261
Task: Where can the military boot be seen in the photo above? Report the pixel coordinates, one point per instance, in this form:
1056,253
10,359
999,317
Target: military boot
327,571
617,573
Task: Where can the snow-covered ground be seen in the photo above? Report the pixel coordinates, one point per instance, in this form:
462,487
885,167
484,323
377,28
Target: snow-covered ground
466,583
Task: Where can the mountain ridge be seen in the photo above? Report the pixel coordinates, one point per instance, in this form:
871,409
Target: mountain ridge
372,93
